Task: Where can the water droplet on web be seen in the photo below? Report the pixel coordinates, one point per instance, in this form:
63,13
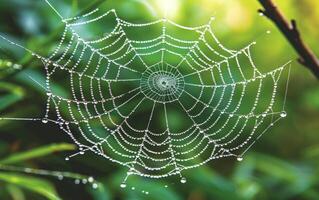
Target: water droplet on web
123,185
95,185
283,114
240,159
44,121
90,179
183,180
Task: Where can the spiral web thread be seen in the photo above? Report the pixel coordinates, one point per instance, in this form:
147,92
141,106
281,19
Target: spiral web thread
121,89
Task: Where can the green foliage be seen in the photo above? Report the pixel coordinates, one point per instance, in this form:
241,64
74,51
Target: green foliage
12,94
36,152
39,186
282,165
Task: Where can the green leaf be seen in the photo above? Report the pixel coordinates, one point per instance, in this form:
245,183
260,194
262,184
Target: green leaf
100,193
312,152
37,152
246,183
36,185
215,185
285,172
15,192
311,98
12,95
8,68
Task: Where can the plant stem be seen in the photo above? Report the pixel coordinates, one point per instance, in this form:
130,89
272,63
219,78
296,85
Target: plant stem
289,29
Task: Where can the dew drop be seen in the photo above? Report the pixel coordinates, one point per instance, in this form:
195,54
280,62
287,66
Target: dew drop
183,180
77,181
60,177
67,159
123,185
239,159
95,186
133,188
90,179
44,121
283,114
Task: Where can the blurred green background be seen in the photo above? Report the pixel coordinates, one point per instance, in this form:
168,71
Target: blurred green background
284,164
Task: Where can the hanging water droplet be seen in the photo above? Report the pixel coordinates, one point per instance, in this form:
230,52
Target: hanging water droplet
67,159
60,177
183,180
133,188
283,114
146,192
123,185
90,179
95,185
239,158
44,121
77,181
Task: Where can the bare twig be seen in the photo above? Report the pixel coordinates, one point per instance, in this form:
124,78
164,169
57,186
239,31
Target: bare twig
290,31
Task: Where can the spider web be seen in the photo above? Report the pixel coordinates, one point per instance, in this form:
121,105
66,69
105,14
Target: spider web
158,97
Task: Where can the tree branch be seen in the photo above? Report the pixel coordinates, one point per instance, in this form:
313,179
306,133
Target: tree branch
290,31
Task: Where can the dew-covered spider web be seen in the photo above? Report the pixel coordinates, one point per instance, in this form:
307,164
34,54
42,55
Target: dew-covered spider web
157,97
